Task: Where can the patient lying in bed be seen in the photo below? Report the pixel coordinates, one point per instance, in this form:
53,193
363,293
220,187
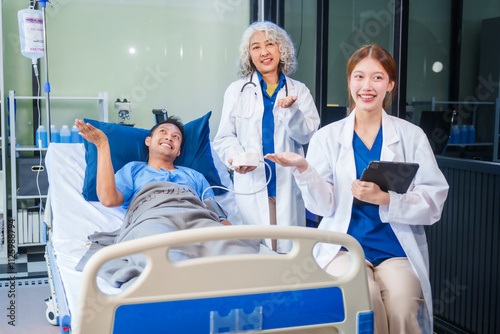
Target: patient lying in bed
159,198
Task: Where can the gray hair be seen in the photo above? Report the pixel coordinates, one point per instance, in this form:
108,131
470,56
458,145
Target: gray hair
274,34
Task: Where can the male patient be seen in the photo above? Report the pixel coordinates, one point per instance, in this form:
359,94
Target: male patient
159,198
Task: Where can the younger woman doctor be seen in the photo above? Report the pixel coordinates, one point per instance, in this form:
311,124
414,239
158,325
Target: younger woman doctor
266,112
391,231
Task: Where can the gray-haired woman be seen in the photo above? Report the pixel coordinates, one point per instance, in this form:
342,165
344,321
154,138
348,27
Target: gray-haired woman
264,112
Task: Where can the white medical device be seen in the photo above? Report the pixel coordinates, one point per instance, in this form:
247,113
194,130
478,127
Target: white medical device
33,38
246,159
124,108
31,34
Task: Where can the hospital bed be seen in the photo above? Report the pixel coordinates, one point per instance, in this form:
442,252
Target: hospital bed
269,293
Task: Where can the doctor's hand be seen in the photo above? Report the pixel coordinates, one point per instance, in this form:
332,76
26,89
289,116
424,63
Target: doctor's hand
288,159
370,192
91,133
242,169
286,102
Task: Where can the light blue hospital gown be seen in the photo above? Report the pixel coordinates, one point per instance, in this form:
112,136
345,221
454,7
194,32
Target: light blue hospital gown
134,175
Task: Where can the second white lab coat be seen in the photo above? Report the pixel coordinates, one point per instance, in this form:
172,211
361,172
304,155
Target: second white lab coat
326,188
240,130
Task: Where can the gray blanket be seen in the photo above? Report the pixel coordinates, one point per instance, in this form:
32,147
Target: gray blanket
162,207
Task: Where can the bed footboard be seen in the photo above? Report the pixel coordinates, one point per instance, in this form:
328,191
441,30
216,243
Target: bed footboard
268,293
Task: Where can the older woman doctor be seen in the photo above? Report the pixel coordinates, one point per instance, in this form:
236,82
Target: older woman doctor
266,112
391,231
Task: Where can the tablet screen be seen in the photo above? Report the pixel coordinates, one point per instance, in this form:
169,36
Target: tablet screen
389,175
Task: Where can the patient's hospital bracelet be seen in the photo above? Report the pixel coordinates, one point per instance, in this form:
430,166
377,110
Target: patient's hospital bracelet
212,205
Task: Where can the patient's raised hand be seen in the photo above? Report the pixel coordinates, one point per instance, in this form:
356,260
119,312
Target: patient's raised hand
91,133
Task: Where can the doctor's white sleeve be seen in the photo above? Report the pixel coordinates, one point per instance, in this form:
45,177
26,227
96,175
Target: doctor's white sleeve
225,143
301,120
316,183
424,201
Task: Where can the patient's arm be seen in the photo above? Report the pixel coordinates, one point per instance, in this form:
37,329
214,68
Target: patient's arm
106,189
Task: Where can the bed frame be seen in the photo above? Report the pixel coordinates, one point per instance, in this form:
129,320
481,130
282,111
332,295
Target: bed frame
268,293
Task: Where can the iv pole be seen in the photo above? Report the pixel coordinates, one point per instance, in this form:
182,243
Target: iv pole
46,86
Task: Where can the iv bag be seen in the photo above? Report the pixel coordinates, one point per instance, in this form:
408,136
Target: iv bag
31,33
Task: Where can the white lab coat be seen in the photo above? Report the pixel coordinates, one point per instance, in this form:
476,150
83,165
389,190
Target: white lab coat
326,189
240,130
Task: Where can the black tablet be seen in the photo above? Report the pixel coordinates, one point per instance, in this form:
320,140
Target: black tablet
390,175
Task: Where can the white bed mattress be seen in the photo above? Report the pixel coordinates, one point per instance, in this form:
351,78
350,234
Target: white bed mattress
73,218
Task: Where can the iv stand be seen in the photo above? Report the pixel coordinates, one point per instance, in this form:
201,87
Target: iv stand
46,86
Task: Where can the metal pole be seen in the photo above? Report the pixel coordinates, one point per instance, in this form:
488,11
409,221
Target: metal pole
261,13
400,52
46,86
322,57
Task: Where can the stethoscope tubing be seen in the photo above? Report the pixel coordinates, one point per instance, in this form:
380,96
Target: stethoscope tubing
255,85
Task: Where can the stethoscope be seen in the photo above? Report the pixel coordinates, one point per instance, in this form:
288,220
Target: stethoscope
255,85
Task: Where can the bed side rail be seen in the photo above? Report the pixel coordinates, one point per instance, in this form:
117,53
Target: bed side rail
259,276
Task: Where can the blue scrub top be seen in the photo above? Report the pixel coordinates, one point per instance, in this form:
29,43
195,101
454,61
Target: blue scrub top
133,176
268,129
377,238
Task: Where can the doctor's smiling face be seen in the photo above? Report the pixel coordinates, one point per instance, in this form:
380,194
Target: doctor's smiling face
265,54
369,84
371,78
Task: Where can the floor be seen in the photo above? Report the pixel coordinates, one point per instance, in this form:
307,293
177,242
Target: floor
24,286
29,263
23,306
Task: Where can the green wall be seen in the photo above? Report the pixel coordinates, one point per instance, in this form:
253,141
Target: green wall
185,57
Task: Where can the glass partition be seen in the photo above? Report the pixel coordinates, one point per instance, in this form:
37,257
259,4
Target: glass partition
453,69
353,24
428,50
479,78
300,23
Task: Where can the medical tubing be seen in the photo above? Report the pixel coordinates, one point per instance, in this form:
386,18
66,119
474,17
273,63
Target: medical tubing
39,144
35,68
239,193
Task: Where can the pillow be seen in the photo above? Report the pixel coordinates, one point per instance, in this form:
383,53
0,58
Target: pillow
127,144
